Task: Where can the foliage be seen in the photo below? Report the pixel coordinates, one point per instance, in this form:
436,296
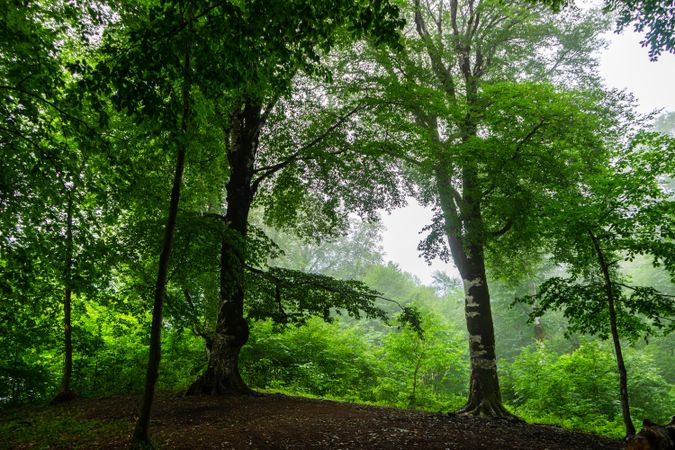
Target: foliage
89,124
298,295
578,390
641,311
427,371
655,16
319,359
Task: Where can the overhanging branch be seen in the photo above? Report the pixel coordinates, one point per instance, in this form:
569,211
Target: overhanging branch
268,171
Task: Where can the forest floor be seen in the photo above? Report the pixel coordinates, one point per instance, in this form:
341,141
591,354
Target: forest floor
273,421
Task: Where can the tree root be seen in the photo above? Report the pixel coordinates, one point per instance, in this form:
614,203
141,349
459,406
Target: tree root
64,396
208,385
491,409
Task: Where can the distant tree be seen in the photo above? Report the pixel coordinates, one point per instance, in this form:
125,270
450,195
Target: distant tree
345,257
665,123
444,283
623,211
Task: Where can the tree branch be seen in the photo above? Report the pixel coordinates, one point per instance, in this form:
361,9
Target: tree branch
661,294
268,171
502,231
442,72
51,104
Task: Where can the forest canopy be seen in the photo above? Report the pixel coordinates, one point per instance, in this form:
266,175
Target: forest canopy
191,196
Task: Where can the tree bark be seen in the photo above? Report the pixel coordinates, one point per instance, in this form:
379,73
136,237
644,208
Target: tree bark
485,397
222,372
65,392
141,436
623,375
465,234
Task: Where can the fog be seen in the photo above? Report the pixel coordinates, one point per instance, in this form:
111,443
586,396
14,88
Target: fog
624,64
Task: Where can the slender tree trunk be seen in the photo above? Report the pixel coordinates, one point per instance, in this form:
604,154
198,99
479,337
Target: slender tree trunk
222,374
141,436
623,375
418,364
539,332
65,392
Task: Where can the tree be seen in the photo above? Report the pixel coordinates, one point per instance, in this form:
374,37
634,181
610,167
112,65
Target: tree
164,96
270,27
50,176
491,149
655,16
622,211
417,372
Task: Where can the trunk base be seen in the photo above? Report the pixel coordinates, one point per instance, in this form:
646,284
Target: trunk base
64,396
486,408
139,443
209,384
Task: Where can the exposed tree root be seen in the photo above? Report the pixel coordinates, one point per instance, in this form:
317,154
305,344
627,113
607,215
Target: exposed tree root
208,384
485,408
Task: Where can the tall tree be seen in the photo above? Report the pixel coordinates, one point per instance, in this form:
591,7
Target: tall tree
150,73
623,211
286,38
47,169
490,149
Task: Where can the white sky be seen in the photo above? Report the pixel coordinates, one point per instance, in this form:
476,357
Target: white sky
624,65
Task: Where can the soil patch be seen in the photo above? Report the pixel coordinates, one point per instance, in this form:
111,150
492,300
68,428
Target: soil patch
281,422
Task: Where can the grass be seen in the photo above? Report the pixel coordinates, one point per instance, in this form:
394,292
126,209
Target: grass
42,427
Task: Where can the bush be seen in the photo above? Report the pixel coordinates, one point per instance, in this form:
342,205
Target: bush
580,390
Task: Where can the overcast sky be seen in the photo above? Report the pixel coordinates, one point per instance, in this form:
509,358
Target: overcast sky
624,65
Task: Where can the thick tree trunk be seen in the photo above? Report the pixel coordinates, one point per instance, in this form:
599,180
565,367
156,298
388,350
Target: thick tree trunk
222,372
484,394
65,392
141,437
623,375
465,234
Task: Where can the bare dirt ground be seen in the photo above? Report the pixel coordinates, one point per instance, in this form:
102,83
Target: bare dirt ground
282,422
